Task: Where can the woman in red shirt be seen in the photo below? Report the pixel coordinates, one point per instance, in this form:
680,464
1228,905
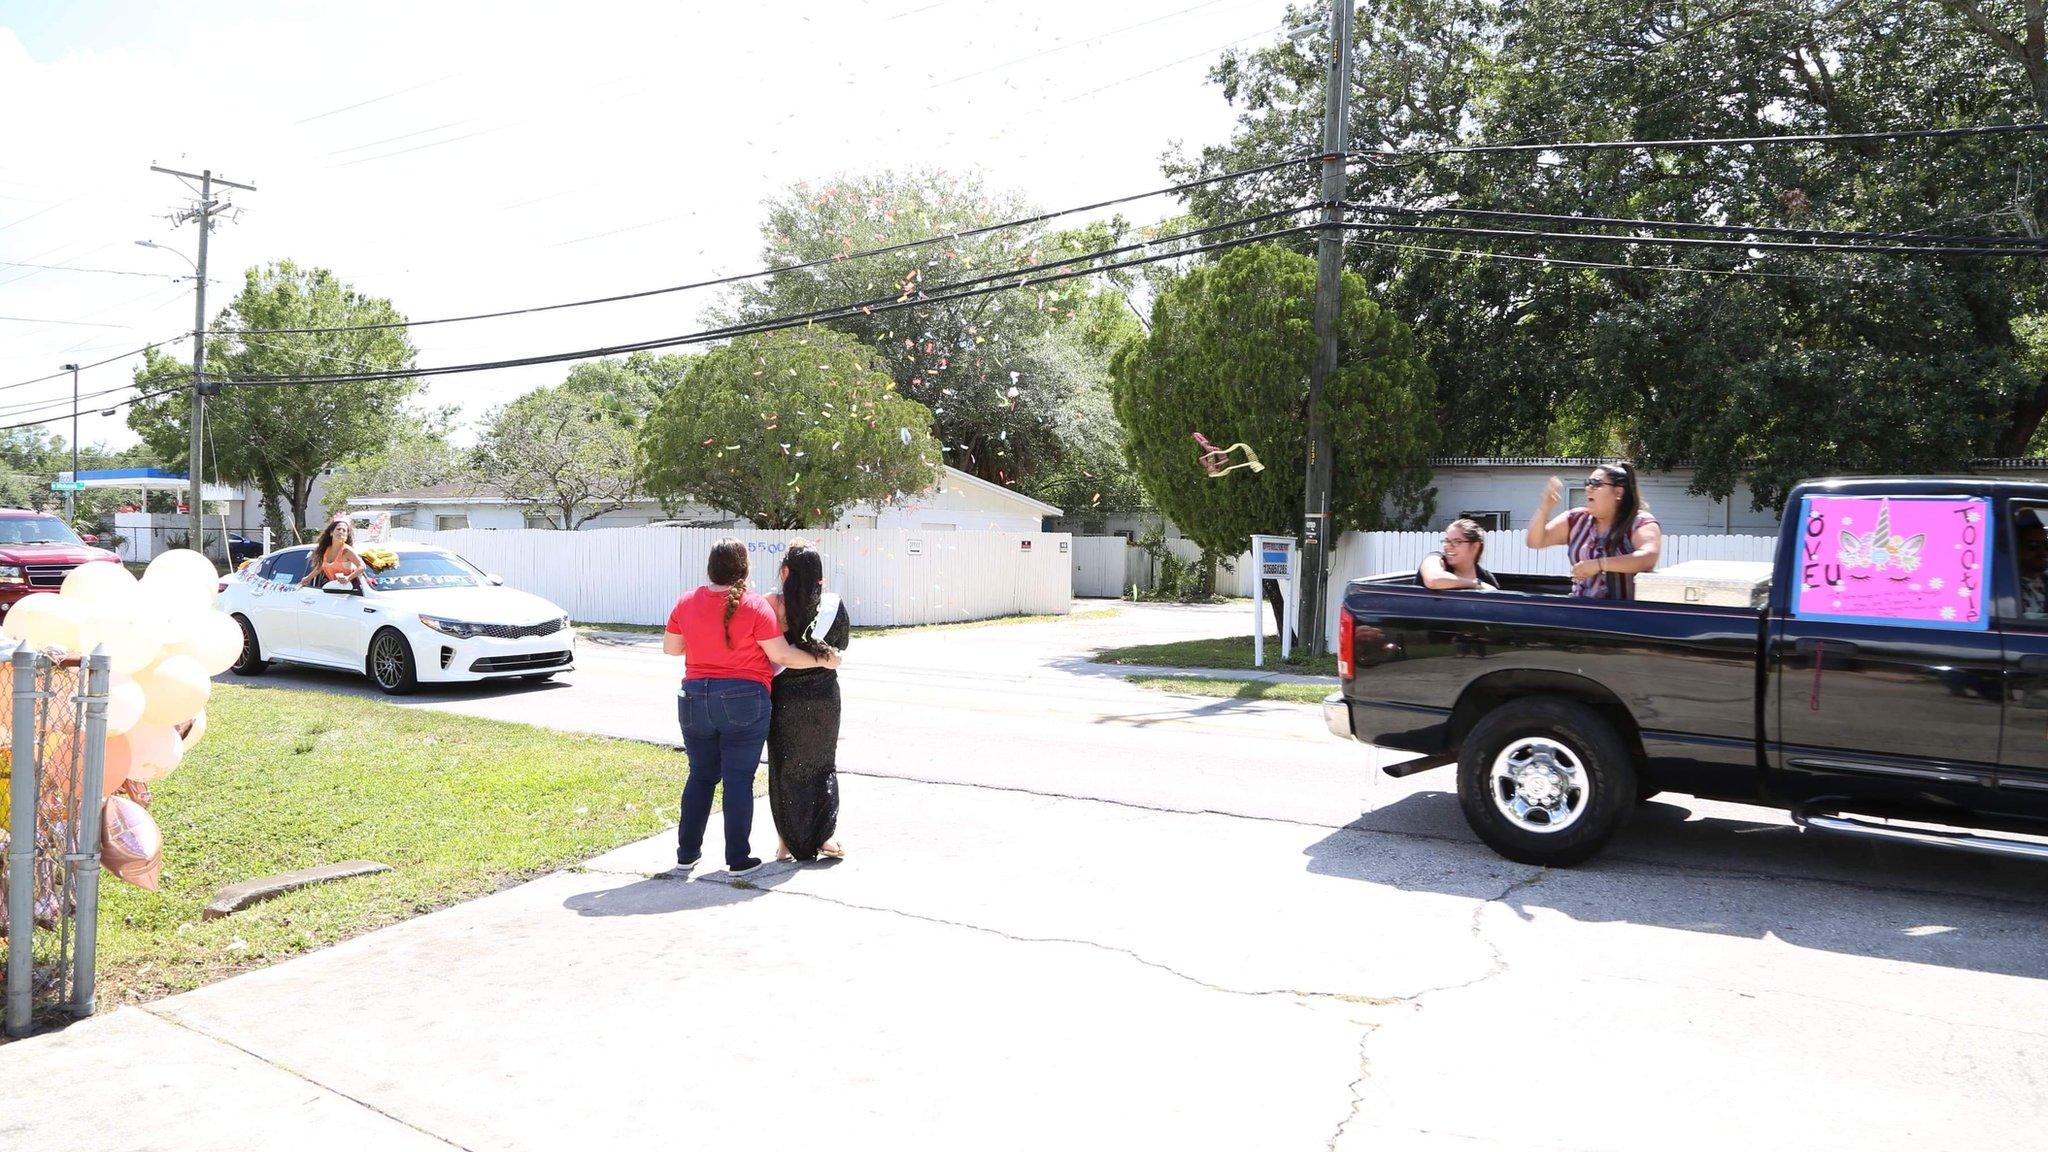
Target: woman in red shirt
726,637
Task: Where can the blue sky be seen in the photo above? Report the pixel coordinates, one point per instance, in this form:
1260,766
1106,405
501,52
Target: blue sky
469,157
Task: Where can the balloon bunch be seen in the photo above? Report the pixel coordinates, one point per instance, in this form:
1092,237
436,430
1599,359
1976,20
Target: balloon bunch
164,642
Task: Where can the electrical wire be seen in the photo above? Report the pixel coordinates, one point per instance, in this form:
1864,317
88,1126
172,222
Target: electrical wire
2029,127
99,271
98,363
123,404
938,294
885,250
2018,243
1684,241
1606,265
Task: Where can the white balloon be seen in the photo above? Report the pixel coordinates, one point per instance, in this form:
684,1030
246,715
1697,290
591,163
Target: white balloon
46,620
182,576
131,645
212,638
100,587
176,687
154,751
125,702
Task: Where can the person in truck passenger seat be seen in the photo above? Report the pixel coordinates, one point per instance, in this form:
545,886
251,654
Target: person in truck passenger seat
1455,566
2033,561
1611,539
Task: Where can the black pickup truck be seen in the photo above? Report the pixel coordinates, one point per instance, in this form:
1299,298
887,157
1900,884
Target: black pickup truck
1895,684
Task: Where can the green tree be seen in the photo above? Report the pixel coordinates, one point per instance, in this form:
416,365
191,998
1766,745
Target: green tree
787,428
998,371
1760,366
1228,356
417,455
628,388
283,437
559,450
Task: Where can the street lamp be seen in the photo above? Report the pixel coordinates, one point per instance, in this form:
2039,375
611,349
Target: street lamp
172,251
70,497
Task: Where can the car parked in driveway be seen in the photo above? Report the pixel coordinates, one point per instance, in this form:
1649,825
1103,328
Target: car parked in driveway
37,550
431,618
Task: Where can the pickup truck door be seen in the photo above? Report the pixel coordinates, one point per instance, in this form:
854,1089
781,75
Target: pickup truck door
1889,707
2023,622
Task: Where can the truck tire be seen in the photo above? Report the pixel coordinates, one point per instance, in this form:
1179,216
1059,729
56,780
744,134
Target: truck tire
1545,780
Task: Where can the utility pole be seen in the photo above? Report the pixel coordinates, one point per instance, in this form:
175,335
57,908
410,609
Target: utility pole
70,497
203,211
1315,528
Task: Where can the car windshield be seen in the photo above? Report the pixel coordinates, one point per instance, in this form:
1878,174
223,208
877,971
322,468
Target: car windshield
424,570
36,530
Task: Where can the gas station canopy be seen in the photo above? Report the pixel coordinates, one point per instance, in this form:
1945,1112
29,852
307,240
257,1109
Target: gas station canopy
147,480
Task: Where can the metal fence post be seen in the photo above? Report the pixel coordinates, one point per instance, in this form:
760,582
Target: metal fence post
21,847
84,859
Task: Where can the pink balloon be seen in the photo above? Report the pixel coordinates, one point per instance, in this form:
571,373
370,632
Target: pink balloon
153,751
131,844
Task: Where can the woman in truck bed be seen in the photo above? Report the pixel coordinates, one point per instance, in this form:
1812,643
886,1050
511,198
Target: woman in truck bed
1456,565
1611,539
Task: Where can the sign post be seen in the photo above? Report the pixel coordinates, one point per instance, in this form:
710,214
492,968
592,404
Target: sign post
1274,558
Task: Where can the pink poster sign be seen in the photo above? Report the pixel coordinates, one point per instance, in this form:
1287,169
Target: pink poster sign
1895,560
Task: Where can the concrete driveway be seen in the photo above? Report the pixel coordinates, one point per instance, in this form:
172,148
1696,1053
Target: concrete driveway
1079,914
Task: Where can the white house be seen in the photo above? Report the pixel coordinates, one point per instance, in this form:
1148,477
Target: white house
958,502
1501,494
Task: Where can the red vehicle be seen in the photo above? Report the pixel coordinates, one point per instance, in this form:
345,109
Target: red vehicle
37,550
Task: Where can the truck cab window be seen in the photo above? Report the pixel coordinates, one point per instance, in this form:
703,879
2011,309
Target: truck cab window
2030,558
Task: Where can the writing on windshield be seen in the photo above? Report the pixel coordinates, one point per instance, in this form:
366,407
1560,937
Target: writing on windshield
420,570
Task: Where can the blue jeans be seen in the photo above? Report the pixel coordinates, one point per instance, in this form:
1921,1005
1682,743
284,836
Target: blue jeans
725,723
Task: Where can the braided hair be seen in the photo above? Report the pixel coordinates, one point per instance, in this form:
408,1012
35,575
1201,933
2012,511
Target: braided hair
803,582
728,566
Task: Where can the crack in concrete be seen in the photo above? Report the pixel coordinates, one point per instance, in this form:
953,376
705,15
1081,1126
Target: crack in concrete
150,1010
1357,1086
1608,857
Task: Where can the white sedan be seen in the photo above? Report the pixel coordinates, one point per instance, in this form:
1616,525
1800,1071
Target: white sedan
433,617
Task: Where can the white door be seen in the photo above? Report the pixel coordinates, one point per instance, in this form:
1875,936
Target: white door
334,626
273,603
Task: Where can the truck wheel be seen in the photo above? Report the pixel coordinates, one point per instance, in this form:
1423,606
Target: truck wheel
251,661
1545,780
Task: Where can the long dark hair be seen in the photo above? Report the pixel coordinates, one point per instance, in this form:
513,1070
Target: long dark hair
803,582
1623,474
728,566
326,540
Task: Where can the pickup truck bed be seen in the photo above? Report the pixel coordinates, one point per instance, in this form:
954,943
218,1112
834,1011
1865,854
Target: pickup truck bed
1563,713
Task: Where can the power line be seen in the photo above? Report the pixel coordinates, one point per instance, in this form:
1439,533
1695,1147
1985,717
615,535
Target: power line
1714,141
133,400
2020,244
99,363
946,294
888,249
1488,254
1685,241
71,268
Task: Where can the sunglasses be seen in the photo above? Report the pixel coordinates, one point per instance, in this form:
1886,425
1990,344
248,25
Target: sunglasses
1592,484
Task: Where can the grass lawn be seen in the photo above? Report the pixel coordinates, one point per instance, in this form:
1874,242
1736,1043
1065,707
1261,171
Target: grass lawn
1235,689
286,779
1223,652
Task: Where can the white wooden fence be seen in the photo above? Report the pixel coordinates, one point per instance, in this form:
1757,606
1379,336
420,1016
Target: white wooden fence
887,577
1370,553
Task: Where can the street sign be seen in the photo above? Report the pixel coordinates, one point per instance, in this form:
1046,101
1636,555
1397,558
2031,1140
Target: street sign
1278,558
67,486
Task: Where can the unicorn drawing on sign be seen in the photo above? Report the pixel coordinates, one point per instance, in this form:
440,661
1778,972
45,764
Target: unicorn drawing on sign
1214,459
1879,549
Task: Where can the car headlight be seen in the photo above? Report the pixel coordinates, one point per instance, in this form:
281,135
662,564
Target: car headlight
11,574
460,629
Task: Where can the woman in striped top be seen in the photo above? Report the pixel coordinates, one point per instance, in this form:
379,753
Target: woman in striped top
1610,540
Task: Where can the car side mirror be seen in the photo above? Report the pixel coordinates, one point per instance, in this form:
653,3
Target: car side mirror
339,587
494,578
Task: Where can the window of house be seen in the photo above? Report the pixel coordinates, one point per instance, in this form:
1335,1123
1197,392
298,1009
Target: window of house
451,523
862,522
539,520
1491,521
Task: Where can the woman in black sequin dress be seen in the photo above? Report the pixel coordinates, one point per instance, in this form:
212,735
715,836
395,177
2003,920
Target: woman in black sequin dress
803,729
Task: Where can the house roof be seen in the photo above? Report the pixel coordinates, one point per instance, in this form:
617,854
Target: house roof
969,480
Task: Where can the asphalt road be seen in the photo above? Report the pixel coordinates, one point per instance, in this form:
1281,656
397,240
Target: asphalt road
1080,913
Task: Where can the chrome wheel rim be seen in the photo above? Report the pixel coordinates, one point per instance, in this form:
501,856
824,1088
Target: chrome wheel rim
387,660
1540,785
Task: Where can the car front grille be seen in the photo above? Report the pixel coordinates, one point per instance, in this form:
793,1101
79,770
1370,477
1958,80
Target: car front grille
520,631
46,575
532,662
